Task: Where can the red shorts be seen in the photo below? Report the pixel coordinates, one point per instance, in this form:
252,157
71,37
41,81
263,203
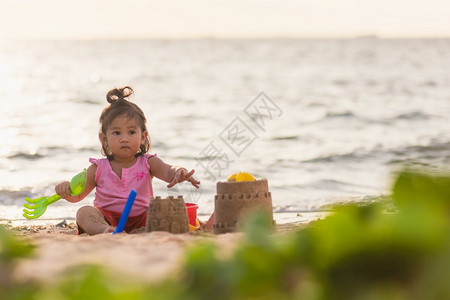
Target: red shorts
113,218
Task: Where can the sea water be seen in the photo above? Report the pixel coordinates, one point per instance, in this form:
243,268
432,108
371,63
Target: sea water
322,120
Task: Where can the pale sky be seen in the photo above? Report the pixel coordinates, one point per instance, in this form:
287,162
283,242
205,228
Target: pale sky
93,19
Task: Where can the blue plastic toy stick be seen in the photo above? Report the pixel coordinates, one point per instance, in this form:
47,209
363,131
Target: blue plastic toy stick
126,212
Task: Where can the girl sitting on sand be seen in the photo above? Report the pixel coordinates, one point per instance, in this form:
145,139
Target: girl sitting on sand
125,143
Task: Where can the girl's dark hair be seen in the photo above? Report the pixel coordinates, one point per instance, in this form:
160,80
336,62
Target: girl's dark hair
120,106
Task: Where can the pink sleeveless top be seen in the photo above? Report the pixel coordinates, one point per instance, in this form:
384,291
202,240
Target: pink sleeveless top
112,192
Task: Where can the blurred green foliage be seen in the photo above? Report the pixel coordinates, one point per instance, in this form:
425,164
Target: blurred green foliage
359,252
12,249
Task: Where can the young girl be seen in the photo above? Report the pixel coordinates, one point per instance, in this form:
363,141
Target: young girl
125,143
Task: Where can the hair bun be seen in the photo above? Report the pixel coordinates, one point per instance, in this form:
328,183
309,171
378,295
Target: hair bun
117,94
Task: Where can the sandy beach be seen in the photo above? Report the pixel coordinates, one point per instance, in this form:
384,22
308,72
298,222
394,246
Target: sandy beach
148,256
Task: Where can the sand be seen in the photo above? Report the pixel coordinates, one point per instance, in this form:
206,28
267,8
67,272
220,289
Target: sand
149,256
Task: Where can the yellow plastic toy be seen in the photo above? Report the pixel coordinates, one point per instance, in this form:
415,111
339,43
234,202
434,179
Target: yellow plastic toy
194,228
241,176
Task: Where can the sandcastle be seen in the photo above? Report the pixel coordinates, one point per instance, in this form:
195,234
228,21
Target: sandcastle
235,200
167,214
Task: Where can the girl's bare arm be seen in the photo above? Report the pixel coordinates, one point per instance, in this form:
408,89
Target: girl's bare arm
171,174
63,188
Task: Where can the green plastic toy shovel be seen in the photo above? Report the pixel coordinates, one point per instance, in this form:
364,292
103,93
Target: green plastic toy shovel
36,207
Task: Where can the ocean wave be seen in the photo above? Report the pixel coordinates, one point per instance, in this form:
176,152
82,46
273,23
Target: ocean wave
14,197
31,156
330,184
333,116
343,114
349,115
414,115
335,158
86,149
433,153
432,147
50,151
287,137
90,101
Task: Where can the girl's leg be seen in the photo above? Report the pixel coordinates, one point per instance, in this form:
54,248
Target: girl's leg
208,225
92,221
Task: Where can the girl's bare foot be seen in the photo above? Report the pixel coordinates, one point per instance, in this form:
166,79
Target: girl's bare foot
109,230
208,225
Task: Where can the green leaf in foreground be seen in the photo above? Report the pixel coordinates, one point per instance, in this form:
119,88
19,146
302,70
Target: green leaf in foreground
11,247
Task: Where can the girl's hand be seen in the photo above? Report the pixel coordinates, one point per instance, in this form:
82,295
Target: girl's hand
183,175
63,189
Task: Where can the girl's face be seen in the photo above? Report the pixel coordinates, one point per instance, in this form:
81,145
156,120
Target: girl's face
123,138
